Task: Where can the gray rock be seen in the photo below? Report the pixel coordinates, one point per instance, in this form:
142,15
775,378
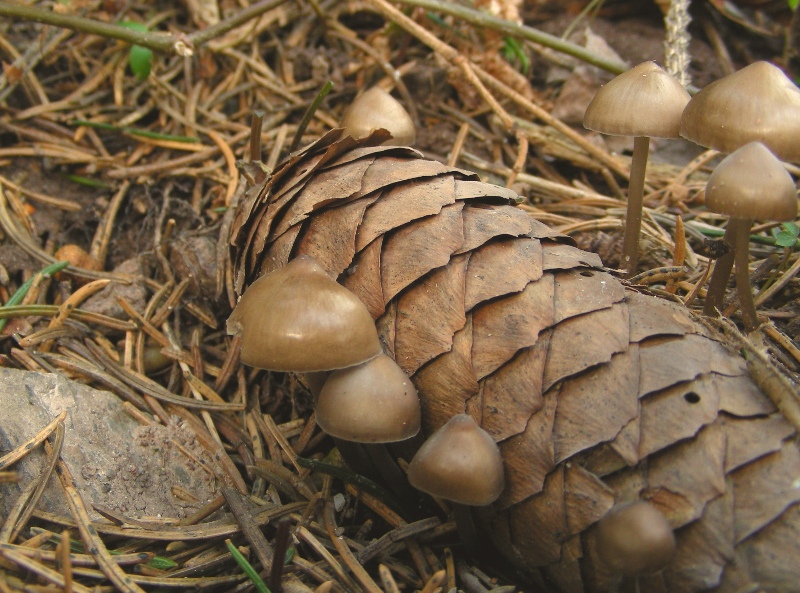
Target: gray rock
114,460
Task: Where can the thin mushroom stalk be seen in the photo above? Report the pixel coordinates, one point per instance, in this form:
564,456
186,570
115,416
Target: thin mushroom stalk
633,214
467,529
719,278
741,249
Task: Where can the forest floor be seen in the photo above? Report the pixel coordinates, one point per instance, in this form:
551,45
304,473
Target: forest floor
124,162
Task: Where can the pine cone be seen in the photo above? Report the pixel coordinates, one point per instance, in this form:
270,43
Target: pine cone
596,394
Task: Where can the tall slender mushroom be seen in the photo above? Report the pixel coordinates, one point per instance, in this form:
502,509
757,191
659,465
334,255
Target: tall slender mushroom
751,183
644,102
757,103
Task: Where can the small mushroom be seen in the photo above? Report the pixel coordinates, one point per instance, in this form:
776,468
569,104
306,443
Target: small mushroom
751,183
459,462
635,539
375,109
300,319
374,402
644,102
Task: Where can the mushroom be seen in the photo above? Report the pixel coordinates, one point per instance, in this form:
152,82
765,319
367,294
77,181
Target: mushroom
644,102
751,183
375,109
635,539
374,402
461,463
299,319
757,103
365,407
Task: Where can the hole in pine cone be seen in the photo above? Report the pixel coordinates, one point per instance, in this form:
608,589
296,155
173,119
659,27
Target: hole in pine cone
692,397
587,274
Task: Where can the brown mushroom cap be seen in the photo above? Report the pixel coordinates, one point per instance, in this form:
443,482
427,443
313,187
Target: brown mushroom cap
644,101
299,319
757,103
374,402
374,109
752,184
635,539
459,462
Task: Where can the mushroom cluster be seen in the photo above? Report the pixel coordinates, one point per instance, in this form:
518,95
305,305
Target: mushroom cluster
756,104
753,113
299,319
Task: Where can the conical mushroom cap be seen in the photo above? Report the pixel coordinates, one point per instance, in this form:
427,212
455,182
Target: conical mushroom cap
374,402
459,462
644,101
757,103
374,109
299,319
751,183
635,539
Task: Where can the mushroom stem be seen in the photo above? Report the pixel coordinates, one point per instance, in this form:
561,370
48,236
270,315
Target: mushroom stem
633,216
741,254
356,457
719,277
467,531
389,470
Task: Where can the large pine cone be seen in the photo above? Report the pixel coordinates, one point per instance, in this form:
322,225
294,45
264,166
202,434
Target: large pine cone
595,393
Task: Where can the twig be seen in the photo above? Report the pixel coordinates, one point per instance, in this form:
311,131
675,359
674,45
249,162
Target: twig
435,582
347,555
182,45
484,19
39,569
306,536
779,284
326,88
676,42
250,531
281,545
90,536
22,510
24,448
